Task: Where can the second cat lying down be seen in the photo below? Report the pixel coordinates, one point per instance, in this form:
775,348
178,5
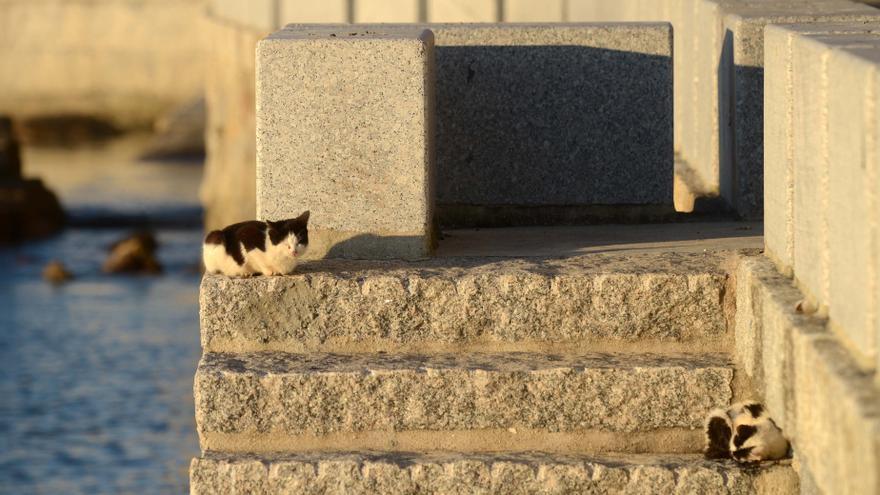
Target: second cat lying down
744,432
256,247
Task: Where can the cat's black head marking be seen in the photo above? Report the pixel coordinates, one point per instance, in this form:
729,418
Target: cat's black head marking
279,230
755,409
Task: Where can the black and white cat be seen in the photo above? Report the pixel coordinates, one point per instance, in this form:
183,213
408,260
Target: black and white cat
255,247
744,432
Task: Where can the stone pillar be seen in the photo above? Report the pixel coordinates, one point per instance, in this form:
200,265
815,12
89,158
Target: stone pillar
345,120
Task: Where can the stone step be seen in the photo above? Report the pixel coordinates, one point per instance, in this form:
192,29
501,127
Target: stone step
670,301
393,473
279,402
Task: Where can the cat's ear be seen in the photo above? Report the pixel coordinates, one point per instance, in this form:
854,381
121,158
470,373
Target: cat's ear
303,218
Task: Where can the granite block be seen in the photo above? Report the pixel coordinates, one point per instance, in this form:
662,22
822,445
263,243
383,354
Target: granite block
345,129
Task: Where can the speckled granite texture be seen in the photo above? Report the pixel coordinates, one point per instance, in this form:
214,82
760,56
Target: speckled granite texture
562,114
345,128
325,393
671,297
534,473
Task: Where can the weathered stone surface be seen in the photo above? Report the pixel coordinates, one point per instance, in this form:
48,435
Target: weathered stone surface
719,80
546,115
545,147
519,473
354,306
816,158
778,151
854,209
780,128
765,320
345,123
741,84
673,11
825,404
811,168
279,393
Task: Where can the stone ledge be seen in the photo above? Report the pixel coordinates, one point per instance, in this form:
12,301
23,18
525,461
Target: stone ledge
289,394
477,302
812,385
392,473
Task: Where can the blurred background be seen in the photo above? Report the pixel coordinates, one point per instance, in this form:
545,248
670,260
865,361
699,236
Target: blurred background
126,129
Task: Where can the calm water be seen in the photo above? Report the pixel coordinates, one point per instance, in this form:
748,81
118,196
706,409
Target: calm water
96,375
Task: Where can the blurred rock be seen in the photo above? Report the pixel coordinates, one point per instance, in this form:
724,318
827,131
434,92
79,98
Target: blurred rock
10,155
134,254
179,134
27,209
56,273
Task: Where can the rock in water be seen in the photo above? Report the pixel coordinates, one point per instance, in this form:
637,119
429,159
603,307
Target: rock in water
56,273
134,254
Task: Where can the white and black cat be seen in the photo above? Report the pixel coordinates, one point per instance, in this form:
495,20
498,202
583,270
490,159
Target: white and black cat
744,432
255,247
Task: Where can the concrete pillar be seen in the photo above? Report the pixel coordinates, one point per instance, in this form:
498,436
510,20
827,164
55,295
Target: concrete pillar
810,156
345,122
779,132
740,82
852,204
821,174
719,82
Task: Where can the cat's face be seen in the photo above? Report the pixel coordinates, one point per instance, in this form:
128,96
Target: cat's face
297,244
296,239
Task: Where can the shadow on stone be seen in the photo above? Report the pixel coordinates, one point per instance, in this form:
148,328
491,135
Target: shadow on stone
531,135
741,128
464,216
375,247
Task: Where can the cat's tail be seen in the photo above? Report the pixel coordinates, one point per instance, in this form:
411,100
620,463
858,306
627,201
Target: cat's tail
718,433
